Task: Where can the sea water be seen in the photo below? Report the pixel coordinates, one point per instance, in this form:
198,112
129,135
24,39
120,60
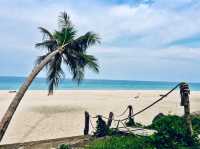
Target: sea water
13,83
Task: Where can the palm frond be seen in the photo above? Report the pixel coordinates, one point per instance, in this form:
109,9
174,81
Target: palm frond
68,34
64,36
91,62
46,34
55,73
73,63
84,42
77,62
47,44
64,20
78,74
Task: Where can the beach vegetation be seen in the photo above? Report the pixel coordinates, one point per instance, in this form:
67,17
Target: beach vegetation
64,146
121,142
196,123
171,133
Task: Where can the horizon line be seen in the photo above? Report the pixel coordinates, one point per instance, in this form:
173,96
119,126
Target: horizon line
105,79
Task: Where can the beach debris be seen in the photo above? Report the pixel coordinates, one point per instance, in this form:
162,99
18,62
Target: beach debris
137,96
170,112
12,91
161,95
137,131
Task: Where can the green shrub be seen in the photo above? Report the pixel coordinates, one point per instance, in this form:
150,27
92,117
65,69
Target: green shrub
64,146
121,142
157,117
172,133
196,124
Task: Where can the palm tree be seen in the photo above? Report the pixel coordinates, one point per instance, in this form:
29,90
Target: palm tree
62,48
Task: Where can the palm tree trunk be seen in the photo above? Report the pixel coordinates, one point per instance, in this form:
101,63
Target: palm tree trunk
19,95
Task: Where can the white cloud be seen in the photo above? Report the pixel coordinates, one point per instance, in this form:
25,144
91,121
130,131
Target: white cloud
142,30
180,53
155,24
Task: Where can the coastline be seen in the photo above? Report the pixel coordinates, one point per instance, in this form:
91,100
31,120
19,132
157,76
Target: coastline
61,115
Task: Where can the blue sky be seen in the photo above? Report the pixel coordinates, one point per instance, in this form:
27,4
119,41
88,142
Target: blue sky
141,39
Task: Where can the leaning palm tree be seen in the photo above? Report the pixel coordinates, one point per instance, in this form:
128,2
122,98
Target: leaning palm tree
62,47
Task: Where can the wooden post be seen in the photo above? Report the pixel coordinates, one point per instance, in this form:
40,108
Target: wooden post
131,121
130,111
110,119
87,119
188,118
184,92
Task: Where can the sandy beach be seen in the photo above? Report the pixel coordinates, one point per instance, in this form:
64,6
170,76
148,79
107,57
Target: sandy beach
44,117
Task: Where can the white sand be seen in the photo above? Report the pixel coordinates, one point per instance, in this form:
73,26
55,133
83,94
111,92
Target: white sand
44,117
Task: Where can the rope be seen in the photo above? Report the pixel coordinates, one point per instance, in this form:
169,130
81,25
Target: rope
118,124
122,113
92,124
153,102
127,128
94,129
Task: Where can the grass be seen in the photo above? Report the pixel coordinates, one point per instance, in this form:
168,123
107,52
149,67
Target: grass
121,142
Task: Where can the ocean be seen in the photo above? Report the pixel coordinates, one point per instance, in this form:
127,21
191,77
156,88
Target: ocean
13,83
